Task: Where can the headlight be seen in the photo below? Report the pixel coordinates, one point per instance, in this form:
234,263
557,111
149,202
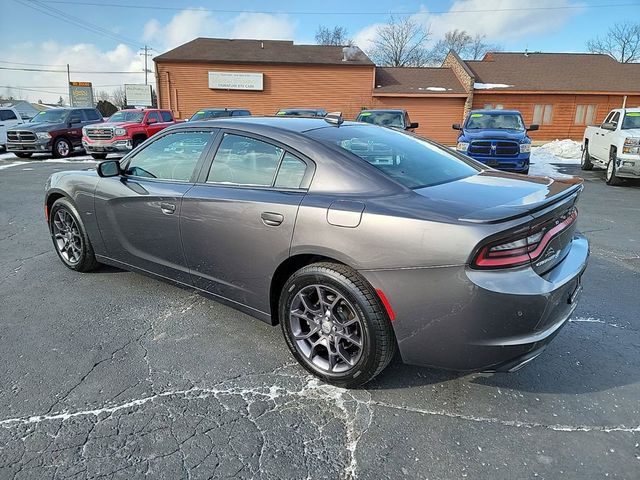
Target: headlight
120,132
462,146
631,145
525,148
43,135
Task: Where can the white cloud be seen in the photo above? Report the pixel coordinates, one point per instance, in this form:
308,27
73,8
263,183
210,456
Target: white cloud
262,26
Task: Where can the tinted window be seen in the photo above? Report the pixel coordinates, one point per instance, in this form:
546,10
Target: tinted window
7,115
244,161
92,114
171,157
409,160
240,113
291,172
384,119
166,116
631,120
154,116
494,121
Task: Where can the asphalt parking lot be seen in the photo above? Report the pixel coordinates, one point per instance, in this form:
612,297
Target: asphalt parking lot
115,375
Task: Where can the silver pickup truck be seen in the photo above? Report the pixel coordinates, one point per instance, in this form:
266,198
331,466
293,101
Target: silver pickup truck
614,145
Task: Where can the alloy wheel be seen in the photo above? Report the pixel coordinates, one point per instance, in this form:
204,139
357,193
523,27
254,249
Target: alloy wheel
326,329
67,236
62,147
610,166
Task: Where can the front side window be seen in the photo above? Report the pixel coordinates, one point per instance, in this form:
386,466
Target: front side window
153,116
494,121
542,114
384,119
245,161
409,160
171,157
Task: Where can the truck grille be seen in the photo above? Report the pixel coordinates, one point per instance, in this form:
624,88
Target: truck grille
99,133
21,136
494,148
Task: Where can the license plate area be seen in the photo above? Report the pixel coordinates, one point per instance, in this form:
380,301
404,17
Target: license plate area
577,290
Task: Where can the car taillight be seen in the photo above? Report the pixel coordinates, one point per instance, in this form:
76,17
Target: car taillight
524,247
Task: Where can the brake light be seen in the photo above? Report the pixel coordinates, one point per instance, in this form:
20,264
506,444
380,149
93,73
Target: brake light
524,248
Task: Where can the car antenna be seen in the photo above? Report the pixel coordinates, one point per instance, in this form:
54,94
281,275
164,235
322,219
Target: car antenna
334,118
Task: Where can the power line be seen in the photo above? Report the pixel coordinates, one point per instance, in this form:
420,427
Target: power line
275,12
34,90
33,64
98,72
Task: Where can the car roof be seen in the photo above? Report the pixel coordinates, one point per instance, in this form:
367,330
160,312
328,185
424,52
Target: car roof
293,124
310,109
219,109
510,112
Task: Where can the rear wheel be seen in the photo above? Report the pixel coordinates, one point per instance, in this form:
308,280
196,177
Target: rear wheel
335,326
99,156
70,237
585,161
62,148
23,154
610,176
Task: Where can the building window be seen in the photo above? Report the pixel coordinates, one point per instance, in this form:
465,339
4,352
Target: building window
491,106
585,114
543,114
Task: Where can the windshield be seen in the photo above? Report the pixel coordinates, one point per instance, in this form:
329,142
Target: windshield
124,116
494,121
631,120
301,113
51,116
407,159
205,114
384,119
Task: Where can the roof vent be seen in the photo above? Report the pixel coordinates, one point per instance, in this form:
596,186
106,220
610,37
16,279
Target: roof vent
349,53
261,44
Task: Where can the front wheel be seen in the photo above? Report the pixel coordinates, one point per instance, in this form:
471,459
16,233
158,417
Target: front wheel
335,326
611,177
62,148
70,237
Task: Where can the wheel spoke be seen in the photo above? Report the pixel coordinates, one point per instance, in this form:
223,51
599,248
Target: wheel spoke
305,336
349,338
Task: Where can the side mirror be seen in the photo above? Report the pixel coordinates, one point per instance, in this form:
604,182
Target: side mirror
109,168
413,125
151,120
610,126
456,126
533,127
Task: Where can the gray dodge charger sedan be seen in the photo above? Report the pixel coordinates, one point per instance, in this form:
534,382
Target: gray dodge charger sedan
358,240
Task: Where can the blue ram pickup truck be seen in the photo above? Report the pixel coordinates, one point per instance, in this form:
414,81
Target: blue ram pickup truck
497,138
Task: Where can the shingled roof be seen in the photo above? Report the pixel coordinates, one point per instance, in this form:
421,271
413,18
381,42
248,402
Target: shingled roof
562,72
219,50
417,80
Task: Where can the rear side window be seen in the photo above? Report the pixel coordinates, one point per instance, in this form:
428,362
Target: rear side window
7,115
166,116
291,172
245,161
407,159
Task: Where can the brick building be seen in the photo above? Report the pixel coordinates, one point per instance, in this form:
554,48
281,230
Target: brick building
562,92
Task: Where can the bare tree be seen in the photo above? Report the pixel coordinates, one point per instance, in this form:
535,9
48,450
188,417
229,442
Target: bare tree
333,36
461,42
102,95
401,42
119,98
60,102
622,42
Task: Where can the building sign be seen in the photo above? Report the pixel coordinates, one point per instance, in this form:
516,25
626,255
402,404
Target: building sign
235,80
81,94
138,95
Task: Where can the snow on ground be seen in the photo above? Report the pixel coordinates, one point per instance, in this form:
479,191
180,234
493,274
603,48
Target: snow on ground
546,158
489,86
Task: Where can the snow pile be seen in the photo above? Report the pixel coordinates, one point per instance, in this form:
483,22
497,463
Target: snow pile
565,149
488,86
434,89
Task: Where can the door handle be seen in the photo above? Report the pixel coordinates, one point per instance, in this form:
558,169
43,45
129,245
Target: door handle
167,208
272,219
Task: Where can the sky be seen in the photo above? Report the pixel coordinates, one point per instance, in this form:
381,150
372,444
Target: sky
106,35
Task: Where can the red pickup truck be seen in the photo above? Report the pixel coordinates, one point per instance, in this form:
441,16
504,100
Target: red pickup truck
125,130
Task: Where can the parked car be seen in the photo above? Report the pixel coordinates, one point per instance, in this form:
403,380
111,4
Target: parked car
57,131
124,131
301,112
614,145
9,117
388,118
497,138
357,239
211,113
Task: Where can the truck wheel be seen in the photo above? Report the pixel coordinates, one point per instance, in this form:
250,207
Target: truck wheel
137,141
62,148
23,154
585,160
99,156
611,177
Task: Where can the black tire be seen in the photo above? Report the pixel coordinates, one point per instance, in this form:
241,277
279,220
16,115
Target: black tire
87,259
137,141
610,176
99,156
525,172
62,148
585,160
378,343
23,154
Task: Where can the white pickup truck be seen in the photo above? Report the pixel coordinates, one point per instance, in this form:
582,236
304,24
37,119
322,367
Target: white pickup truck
614,145
9,117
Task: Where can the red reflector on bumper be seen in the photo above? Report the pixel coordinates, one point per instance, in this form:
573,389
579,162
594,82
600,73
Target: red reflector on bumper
387,305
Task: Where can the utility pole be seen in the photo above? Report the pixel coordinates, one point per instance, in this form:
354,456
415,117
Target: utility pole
146,55
69,84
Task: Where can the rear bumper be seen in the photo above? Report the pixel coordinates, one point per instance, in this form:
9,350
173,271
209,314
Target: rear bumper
480,320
